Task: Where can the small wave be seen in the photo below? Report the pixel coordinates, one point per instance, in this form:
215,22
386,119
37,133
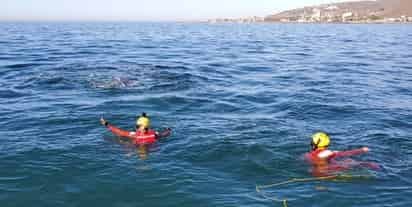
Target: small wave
51,80
302,54
348,40
173,82
21,65
48,81
11,94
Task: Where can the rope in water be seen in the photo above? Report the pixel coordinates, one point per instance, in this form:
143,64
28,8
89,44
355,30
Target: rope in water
296,180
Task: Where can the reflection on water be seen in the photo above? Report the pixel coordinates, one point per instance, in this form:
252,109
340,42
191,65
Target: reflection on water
142,151
326,168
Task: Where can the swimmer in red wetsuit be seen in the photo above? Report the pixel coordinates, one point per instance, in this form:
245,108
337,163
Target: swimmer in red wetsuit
324,160
142,135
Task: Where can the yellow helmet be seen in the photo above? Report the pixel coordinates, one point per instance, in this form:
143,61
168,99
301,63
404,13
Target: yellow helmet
320,140
143,121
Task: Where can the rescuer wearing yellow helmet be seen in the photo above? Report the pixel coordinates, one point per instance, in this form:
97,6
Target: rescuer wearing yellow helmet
320,140
320,152
143,123
323,160
142,135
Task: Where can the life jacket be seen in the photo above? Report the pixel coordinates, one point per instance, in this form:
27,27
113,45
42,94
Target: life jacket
324,161
145,137
319,155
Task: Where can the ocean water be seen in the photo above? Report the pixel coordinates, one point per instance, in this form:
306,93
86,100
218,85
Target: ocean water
242,100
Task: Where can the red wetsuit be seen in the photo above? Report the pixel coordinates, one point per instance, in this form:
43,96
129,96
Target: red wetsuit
324,163
138,137
328,155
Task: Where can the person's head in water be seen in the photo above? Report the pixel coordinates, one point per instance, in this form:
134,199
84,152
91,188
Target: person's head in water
143,123
320,140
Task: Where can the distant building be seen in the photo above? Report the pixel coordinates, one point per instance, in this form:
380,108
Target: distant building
392,19
333,7
302,20
404,18
348,16
316,16
237,20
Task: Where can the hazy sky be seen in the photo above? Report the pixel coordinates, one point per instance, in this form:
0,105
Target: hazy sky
157,10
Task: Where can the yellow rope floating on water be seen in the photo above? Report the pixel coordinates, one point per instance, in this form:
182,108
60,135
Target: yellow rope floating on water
296,180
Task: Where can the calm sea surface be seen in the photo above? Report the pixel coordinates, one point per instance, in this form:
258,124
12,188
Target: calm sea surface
243,101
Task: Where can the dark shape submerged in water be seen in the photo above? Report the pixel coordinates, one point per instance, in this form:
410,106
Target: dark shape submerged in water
115,82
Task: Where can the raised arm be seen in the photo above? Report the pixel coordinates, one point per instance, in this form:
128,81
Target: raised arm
351,152
115,130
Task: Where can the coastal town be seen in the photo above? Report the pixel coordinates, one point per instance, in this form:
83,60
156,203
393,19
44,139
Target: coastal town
347,12
253,19
317,16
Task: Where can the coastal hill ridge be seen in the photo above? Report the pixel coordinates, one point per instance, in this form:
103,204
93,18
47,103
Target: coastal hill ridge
351,11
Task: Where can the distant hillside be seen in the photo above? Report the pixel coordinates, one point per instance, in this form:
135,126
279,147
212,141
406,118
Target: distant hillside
396,8
348,11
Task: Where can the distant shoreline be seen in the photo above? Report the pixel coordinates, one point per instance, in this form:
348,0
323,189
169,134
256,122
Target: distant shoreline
303,23
351,12
191,22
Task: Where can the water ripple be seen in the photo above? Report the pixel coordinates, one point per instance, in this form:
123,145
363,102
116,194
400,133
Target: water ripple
242,100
